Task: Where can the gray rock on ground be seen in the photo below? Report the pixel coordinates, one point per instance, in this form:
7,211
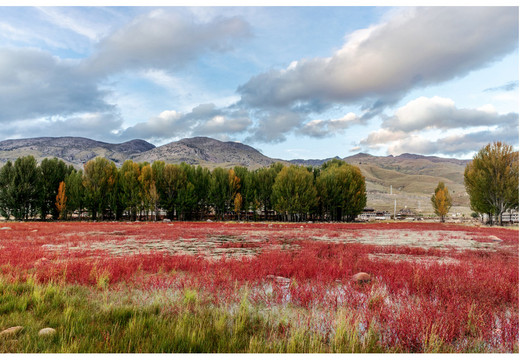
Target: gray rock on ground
11,331
46,332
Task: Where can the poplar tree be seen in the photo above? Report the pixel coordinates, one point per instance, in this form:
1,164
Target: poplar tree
342,190
441,201
61,200
7,190
99,178
294,192
26,185
491,180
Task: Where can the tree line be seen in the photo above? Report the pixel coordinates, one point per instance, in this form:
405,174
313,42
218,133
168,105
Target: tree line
28,190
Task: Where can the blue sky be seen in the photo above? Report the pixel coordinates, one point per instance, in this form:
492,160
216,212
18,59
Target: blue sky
294,82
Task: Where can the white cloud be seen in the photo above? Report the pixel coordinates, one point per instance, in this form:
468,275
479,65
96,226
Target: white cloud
383,136
272,126
421,127
76,24
204,119
34,84
94,125
324,128
415,48
455,145
441,113
164,40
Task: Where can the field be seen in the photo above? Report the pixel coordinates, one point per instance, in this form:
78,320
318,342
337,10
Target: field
258,287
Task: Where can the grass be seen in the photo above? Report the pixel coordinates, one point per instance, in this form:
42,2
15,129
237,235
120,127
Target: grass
87,323
98,321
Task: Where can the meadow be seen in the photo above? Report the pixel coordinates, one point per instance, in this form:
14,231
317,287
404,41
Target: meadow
258,287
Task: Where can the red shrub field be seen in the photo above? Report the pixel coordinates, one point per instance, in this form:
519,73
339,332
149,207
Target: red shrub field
430,283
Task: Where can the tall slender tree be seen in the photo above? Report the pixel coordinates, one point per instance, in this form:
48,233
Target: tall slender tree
26,187
99,178
131,187
75,192
7,190
441,201
61,200
52,173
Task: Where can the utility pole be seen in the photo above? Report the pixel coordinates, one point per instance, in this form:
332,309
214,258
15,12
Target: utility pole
395,207
390,189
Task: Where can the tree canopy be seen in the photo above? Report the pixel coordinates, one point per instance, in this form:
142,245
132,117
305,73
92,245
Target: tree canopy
491,180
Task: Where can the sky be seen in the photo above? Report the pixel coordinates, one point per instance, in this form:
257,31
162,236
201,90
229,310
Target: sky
293,82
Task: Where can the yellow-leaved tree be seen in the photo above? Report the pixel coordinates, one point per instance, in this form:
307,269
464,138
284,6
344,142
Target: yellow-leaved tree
61,200
441,201
238,204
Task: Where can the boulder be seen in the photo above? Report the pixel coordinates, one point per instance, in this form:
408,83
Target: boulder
46,332
11,331
361,278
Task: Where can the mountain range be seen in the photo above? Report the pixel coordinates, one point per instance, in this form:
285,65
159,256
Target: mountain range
407,179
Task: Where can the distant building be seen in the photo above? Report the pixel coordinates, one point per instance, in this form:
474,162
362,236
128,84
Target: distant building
370,214
405,213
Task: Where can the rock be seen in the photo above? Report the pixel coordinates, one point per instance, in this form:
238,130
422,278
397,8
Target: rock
361,278
5,228
47,332
11,331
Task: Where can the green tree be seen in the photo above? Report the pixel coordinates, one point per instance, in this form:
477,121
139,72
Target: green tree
52,173
201,179
491,180
243,174
294,192
219,191
75,192
149,196
187,198
131,187
99,178
265,178
116,204
172,179
26,187
233,188
158,179
441,201
342,190
238,205
7,190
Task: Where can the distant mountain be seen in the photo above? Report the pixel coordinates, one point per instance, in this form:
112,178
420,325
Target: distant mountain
312,162
207,152
412,179
73,150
